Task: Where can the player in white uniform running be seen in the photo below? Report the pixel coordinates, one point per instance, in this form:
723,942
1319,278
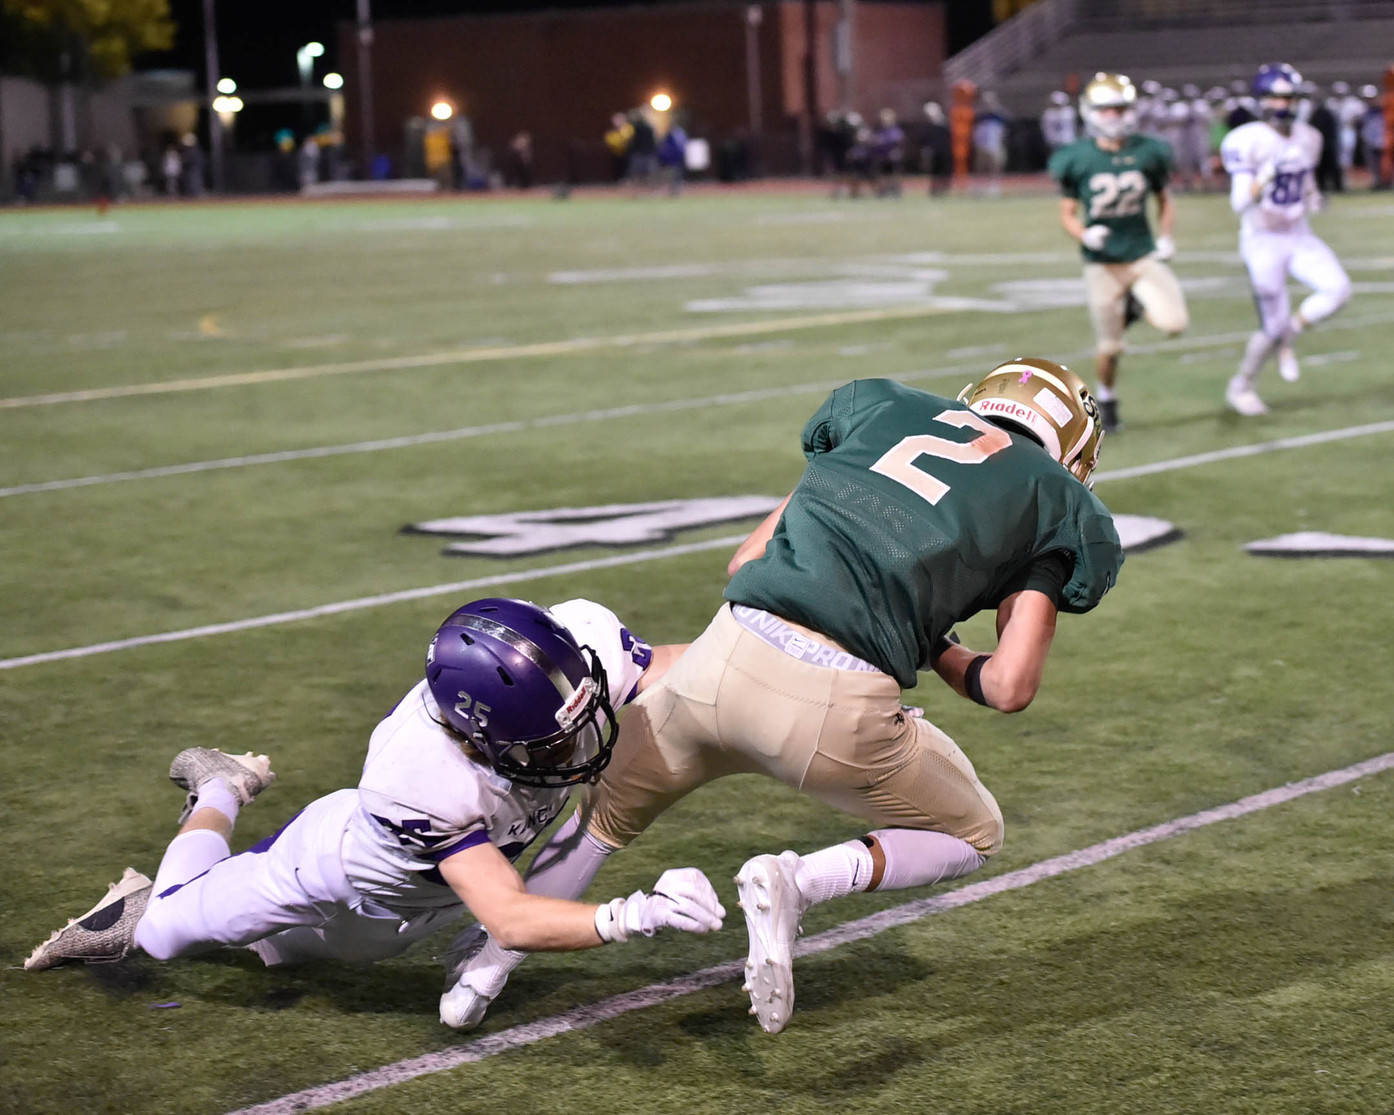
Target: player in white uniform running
1272,164
517,707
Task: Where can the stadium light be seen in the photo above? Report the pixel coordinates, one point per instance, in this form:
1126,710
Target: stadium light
226,86
333,81
661,102
227,107
442,110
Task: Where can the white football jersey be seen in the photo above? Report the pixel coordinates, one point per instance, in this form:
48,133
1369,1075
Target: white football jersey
424,795
1283,205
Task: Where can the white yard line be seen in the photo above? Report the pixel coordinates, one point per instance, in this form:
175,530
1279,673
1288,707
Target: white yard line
566,347
583,1017
570,418
636,557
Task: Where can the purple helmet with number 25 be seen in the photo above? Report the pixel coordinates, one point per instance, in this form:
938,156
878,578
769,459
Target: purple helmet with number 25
514,682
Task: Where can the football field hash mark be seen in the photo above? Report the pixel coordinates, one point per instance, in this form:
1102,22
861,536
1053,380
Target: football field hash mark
584,1017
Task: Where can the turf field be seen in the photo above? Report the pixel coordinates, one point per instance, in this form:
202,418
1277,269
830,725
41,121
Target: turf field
216,420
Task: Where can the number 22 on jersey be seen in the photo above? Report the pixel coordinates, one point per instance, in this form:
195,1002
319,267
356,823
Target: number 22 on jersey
1116,195
898,462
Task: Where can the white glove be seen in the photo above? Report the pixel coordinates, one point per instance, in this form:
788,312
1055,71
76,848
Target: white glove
476,971
1315,200
1265,174
681,899
1094,236
1166,248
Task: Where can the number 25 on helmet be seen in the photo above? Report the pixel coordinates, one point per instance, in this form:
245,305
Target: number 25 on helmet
512,681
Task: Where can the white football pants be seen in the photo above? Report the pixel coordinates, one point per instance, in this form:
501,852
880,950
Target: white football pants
287,897
1272,256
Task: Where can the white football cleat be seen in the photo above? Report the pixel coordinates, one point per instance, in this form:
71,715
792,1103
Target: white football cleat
773,906
102,935
1244,400
246,775
1288,367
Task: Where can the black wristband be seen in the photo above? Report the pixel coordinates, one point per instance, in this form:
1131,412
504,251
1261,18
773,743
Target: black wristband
972,679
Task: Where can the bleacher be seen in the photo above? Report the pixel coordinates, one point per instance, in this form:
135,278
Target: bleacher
1208,42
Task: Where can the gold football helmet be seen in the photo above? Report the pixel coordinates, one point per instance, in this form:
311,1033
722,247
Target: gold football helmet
1047,401
1109,91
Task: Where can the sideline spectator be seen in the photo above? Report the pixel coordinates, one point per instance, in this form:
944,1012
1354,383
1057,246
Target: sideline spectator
1059,124
888,154
937,152
990,142
1373,137
1329,178
643,150
520,163
672,156
617,141
171,169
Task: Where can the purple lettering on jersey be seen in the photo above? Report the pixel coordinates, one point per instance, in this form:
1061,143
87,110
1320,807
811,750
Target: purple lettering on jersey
640,651
413,830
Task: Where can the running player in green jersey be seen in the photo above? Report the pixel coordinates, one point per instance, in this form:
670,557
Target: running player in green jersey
1105,180
914,513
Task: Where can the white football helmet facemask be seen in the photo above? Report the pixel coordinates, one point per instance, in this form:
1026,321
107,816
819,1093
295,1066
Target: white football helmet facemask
1108,106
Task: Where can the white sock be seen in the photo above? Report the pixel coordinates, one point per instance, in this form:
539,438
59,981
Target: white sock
1104,394
565,868
1255,353
216,794
833,872
189,854
919,858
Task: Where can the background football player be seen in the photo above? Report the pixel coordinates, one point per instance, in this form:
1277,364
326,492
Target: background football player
516,708
914,513
1106,179
1272,164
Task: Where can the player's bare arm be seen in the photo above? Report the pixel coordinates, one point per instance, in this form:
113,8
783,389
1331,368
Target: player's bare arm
754,546
1166,213
1069,218
663,657
1009,678
493,891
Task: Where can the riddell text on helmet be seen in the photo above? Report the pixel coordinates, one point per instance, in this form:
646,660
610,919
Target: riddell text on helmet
1005,407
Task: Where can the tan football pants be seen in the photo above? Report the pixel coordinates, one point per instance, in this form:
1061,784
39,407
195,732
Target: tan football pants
1106,286
733,704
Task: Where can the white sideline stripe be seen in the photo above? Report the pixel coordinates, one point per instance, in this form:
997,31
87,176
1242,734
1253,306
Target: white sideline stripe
468,356
583,1017
343,606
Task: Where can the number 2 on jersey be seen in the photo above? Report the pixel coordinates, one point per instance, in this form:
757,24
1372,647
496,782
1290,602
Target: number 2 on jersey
898,462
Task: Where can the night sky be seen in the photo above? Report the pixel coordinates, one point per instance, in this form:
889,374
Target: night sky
257,39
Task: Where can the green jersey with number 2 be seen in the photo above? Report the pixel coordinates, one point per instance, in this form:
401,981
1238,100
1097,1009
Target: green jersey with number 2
1112,188
913,514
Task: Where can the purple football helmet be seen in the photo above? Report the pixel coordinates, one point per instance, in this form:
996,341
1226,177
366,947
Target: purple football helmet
513,681
1277,85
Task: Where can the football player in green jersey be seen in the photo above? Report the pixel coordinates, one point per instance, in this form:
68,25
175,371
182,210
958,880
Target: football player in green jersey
1105,179
914,512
